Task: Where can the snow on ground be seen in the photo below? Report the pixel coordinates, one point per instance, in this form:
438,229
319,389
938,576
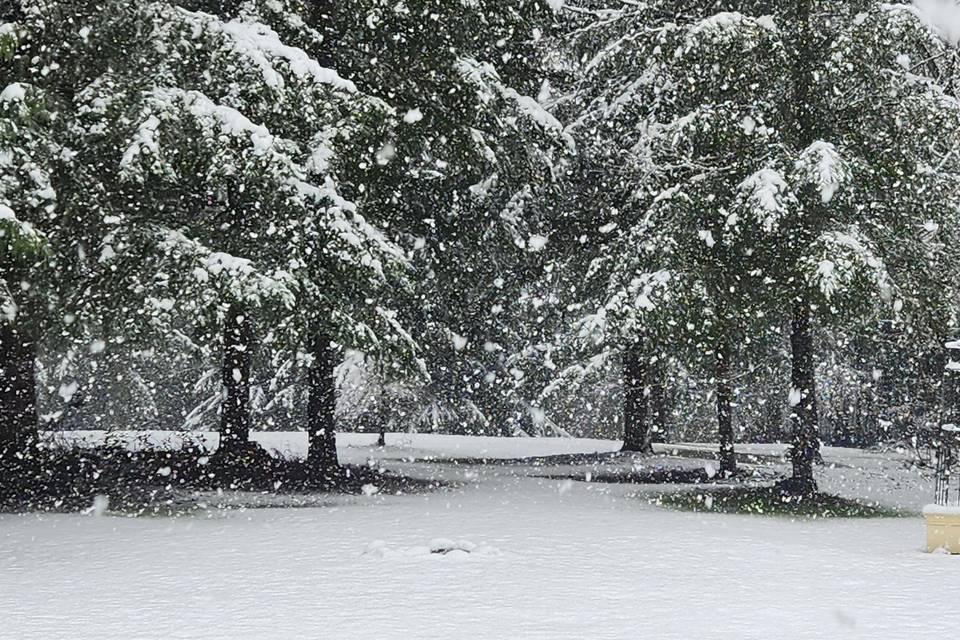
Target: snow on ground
851,473
525,558
419,445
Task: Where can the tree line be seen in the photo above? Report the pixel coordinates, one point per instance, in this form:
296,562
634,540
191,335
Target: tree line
496,202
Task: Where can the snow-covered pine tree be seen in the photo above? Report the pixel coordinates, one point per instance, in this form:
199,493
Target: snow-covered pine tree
458,185
25,196
236,137
43,258
198,156
683,190
820,172
873,129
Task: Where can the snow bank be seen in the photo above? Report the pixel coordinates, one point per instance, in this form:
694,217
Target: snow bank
437,548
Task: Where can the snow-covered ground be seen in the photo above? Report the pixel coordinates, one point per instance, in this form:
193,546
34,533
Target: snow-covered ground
356,446
551,559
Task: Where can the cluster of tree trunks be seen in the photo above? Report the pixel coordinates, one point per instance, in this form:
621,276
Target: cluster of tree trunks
638,392
805,439
235,412
18,393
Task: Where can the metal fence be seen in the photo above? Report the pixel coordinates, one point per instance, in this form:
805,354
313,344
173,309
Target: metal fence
946,465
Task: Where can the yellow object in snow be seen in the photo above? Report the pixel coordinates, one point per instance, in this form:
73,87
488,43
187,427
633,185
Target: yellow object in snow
943,528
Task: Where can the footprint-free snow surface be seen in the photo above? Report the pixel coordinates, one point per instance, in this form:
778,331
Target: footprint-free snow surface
503,554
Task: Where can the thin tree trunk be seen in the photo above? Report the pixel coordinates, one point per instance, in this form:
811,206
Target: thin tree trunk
381,395
803,416
321,407
728,458
235,413
18,391
658,408
636,429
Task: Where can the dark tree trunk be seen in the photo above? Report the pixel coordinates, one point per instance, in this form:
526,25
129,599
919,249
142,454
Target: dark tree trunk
322,404
728,458
18,391
657,401
804,53
381,406
803,416
636,429
235,413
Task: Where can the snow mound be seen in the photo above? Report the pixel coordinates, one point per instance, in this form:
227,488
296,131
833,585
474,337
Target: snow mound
438,547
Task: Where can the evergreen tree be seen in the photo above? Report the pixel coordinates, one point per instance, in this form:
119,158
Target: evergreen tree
202,192
461,184
44,262
795,184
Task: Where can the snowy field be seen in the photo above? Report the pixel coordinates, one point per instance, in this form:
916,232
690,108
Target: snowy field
550,559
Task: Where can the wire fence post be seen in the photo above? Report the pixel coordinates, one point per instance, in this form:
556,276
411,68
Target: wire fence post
944,464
